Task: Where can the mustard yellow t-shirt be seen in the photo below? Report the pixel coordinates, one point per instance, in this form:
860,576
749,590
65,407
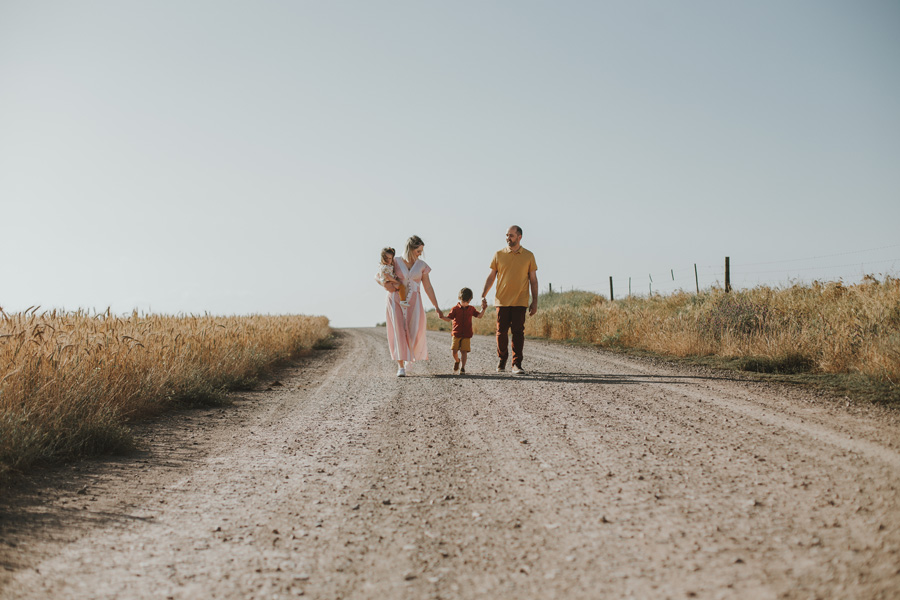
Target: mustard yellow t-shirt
512,276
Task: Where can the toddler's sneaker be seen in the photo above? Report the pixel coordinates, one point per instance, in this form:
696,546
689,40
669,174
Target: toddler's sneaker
462,371
456,366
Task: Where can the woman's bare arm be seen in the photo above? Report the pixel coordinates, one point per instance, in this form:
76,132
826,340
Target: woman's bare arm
388,285
429,291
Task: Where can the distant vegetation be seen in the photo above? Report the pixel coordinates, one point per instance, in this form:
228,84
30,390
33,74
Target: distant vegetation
823,328
71,382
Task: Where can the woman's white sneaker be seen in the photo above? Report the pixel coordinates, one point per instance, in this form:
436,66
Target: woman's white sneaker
401,372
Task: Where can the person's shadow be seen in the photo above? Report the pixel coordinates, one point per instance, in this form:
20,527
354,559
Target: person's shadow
566,378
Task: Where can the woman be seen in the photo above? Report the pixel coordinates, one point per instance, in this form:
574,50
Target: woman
406,324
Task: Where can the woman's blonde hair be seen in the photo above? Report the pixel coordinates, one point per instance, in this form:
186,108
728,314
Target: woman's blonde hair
411,244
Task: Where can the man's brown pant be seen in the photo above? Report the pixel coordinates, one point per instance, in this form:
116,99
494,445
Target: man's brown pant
511,317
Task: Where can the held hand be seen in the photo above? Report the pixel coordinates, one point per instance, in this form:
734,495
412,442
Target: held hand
484,304
440,313
533,309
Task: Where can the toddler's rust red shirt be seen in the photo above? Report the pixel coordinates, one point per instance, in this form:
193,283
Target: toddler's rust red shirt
462,320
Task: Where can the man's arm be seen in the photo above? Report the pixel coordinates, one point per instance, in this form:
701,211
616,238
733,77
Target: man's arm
532,277
490,282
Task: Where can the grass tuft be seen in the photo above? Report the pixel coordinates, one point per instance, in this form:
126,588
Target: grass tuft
791,364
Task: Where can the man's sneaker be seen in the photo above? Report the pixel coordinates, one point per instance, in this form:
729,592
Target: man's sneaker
517,370
401,372
456,366
501,366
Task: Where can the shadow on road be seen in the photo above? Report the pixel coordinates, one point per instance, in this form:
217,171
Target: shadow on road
67,501
555,377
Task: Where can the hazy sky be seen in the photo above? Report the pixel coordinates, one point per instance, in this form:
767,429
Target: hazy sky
253,157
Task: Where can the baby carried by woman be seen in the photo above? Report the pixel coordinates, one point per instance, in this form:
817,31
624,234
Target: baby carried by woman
386,275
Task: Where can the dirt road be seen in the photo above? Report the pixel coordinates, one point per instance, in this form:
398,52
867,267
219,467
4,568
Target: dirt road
595,476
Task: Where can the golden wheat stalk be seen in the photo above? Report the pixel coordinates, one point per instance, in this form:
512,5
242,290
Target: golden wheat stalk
70,381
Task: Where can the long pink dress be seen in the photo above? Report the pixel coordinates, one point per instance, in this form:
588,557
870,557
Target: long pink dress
406,325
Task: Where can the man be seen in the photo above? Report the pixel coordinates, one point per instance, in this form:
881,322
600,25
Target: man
515,271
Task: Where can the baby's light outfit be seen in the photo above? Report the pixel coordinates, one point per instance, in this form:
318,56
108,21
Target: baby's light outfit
386,273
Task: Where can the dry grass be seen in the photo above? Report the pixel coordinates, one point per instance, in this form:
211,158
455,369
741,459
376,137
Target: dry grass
71,382
818,328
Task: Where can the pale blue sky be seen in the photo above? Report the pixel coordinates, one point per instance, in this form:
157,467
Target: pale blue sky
247,157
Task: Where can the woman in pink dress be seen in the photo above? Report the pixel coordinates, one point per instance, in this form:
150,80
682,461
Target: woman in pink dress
406,324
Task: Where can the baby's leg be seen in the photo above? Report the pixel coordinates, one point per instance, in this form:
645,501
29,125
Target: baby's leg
402,292
464,355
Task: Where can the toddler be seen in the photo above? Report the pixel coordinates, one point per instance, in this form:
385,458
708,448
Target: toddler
461,317
385,275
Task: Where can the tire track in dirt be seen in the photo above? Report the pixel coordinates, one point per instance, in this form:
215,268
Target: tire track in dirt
595,476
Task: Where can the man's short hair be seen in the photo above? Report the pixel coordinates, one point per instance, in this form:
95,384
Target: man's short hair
465,295
518,229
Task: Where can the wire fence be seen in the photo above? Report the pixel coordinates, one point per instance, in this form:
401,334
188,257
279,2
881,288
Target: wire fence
792,271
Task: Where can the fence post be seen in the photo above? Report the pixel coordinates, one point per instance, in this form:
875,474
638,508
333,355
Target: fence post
551,287
629,286
651,284
611,298
696,279
727,274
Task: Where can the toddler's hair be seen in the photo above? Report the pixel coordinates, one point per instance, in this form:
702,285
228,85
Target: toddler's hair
385,252
465,295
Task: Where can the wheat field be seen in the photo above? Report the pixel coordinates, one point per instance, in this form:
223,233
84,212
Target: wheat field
70,382
817,328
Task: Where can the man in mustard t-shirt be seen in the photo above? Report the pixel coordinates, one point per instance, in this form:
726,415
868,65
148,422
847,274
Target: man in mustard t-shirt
515,271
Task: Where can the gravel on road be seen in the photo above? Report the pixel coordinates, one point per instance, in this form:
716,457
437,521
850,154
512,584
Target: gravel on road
592,476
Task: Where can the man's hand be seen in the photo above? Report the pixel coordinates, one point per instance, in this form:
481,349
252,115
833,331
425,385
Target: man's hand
484,304
533,309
